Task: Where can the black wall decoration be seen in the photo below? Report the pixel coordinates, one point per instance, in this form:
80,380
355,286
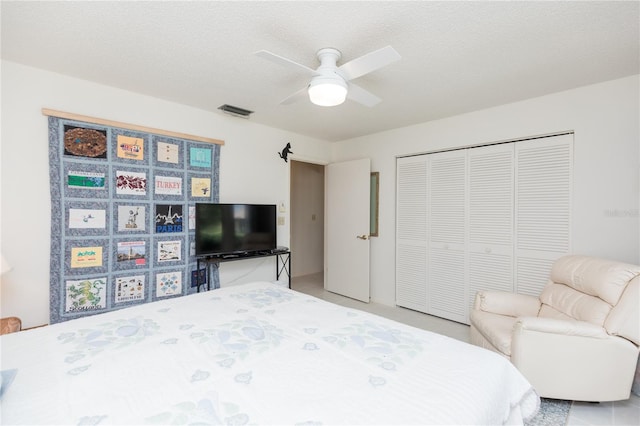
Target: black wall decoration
285,152
123,215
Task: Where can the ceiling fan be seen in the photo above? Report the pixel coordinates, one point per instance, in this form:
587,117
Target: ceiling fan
331,84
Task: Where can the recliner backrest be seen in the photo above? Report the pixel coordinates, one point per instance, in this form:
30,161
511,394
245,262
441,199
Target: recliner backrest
587,289
563,302
624,319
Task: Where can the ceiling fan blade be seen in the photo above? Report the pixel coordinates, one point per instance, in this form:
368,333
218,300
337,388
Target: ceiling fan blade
362,96
295,97
280,60
369,62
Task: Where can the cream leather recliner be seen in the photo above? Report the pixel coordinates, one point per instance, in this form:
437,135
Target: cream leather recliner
579,340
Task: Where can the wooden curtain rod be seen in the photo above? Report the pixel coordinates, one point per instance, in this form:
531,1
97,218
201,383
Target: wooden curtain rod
111,123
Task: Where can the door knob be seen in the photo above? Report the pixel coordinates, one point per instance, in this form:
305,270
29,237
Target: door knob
362,237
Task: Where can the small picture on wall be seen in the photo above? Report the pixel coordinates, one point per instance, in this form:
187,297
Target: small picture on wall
86,257
135,251
168,153
131,183
129,288
85,180
131,218
200,187
86,295
168,284
130,148
87,218
200,157
83,142
168,218
169,251
168,185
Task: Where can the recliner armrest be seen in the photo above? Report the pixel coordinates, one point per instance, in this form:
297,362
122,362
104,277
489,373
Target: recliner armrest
557,326
505,303
570,359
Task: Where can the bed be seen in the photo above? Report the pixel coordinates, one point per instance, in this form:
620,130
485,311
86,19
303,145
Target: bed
256,353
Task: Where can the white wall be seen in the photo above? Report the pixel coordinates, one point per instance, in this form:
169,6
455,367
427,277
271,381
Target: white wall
607,157
250,171
605,118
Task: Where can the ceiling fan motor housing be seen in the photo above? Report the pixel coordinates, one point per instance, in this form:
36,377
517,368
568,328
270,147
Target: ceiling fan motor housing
327,87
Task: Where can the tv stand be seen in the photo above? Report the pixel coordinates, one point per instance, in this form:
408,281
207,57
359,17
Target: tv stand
282,255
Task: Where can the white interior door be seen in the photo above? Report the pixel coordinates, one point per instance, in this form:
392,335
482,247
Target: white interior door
347,193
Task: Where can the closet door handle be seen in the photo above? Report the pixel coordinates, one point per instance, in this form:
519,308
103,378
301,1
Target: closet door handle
362,237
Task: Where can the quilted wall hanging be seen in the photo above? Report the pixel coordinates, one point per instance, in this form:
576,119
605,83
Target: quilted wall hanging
123,214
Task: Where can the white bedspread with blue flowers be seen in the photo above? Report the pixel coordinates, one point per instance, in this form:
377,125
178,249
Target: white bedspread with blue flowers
254,354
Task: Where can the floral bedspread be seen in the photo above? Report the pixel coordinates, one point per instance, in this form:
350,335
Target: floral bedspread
253,354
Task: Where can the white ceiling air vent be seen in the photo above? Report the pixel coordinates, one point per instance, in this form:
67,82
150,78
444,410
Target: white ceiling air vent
235,111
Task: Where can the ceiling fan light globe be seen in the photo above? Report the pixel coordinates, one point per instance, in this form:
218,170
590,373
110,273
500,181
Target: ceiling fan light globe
327,93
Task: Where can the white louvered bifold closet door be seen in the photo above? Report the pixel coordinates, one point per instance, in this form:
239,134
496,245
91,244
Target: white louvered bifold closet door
543,208
447,213
411,233
490,237
486,218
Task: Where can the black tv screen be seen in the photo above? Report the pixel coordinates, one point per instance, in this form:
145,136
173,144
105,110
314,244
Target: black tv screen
235,228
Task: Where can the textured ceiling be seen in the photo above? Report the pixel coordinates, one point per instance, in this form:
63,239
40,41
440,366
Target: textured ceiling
457,57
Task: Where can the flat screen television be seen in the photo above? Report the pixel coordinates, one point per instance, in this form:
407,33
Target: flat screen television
235,228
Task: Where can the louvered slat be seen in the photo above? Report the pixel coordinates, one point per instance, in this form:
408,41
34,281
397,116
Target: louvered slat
543,209
489,272
411,277
447,197
411,233
446,293
532,275
491,195
491,180
411,217
543,194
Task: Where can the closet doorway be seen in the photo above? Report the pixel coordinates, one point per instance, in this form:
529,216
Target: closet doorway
307,218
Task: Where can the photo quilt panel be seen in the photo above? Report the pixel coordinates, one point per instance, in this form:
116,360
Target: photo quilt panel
121,231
